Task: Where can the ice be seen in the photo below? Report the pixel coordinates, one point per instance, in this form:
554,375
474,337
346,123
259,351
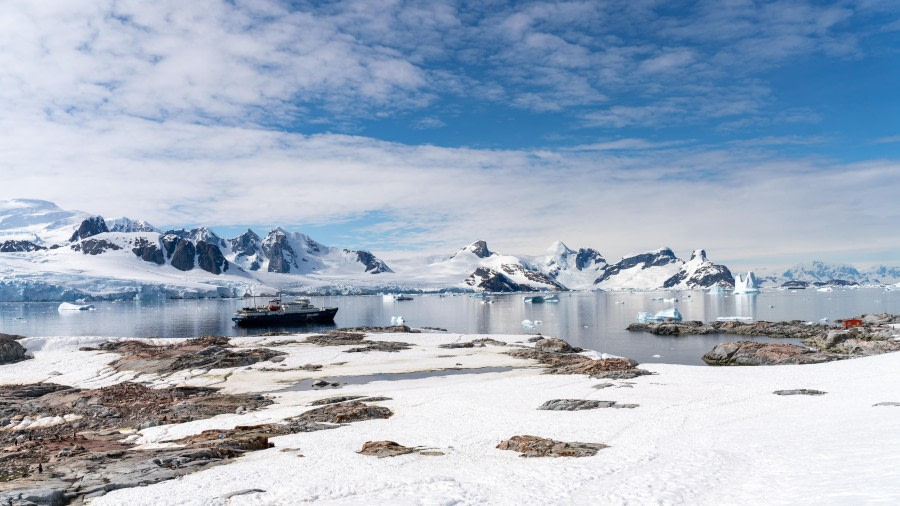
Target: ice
716,290
671,314
66,306
746,285
397,320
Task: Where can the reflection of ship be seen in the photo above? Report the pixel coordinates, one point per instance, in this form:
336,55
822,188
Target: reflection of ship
278,312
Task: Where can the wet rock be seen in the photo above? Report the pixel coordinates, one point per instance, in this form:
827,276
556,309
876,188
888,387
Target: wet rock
559,363
554,345
384,449
754,353
533,446
581,404
10,350
799,391
345,412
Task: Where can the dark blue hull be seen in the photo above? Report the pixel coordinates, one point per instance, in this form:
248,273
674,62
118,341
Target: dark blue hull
325,315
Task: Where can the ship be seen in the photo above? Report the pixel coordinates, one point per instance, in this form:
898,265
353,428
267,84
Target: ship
280,312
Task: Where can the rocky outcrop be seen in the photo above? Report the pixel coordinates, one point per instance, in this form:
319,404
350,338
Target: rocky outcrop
247,245
569,362
533,446
490,280
586,258
95,246
19,246
384,449
860,341
210,258
581,404
799,391
128,225
754,353
11,350
659,258
554,345
182,256
278,250
345,412
477,248
89,227
148,252
372,263
795,329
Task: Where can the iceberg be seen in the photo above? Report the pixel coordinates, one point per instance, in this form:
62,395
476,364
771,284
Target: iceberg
716,290
67,306
666,315
746,285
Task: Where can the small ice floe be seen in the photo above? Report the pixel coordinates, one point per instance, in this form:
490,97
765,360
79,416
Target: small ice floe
527,324
397,320
539,322
670,314
656,356
825,289
673,299
824,319
67,306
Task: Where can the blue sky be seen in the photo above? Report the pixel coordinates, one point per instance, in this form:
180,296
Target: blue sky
761,131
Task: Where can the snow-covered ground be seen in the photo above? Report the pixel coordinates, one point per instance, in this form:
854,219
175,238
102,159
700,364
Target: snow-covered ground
701,435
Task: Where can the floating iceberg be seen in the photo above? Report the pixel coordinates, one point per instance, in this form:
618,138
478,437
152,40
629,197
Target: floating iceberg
527,324
665,315
746,285
397,320
825,289
66,306
716,290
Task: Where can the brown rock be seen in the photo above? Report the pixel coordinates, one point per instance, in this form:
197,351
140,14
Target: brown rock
533,446
384,449
753,353
345,412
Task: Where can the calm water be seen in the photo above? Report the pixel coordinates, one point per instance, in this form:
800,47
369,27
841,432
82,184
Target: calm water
591,320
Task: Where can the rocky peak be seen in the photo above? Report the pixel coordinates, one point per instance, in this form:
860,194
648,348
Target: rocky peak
587,258
478,248
89,227
278,250
128,225
698,255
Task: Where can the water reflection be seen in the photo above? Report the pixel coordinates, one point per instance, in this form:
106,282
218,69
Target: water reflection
591,320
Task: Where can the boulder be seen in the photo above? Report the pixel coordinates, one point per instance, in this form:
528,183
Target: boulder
384,449
10,350
554,345
533,446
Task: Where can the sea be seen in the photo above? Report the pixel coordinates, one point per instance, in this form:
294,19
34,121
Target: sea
591,320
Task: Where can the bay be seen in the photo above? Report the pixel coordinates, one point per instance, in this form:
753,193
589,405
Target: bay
592,320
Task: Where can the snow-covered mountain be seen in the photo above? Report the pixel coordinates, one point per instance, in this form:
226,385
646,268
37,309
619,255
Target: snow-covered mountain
644,271
699,272
818,273
47,253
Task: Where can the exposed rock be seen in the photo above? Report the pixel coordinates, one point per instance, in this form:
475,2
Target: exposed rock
799,391
658,258
490,280
10,350
210,258
89,227
336,399
148,252
753,353
480,343
886,404
580,404
388,346
791,330
571,363
183,255
699,272
95,246
373,264
247,245
556,346
860,341
344,412
384,449
533,446
19,246
278,250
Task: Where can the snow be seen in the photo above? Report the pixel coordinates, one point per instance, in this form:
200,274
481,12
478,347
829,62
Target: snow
701,435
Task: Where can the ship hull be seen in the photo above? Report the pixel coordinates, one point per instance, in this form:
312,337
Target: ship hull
324,315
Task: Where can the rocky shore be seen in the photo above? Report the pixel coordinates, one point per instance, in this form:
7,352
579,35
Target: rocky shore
876,334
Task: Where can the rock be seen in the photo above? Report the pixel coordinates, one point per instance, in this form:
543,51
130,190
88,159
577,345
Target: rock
580,404
886,404
533,446
799,391
210,258
554,345
534,339
183,255
320,383
383,449
19,246
558,363
388,346
148,252
95,246
335,400
345,412
754,353
279,358
89,227
11,351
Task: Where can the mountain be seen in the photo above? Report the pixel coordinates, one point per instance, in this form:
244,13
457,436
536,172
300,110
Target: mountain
699,272
573,269
39,222
128,225
644,271
818,272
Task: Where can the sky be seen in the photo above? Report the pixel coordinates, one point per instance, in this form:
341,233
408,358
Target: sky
767,133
